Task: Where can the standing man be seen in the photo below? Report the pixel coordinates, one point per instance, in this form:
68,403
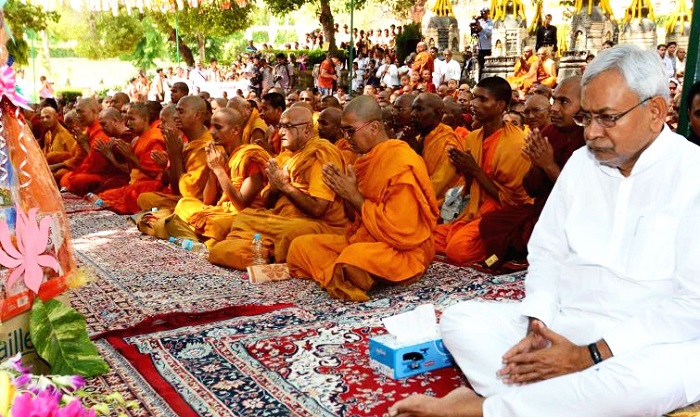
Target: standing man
423,60
283,74
547,34
484,27
452,70
327,75
670,59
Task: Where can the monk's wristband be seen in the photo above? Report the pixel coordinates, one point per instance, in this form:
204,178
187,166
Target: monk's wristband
595,353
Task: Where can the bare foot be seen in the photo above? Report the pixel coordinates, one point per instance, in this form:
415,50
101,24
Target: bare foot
461,402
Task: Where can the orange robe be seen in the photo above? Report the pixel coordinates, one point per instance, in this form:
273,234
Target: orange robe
349,156
123,200
390,239
547,73
255,122
462,132
423,60
193,179
275,141
59,148
285,221
523,78
435,154
214,222
500,157
95,171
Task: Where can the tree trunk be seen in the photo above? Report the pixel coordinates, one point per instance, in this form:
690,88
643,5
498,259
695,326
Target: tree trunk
185,51
200,47
326,19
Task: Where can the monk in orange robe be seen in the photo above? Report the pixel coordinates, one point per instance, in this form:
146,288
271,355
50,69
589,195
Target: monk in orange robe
145,173
329,129
59,144
454,119
187,171
434,143
273,104
241,179
300,202
394,212
95,171
254,128
525,70
493,168
423,59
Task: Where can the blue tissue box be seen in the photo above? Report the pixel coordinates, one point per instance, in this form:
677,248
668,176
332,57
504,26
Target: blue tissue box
400,360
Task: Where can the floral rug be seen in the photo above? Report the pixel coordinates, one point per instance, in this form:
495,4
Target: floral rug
294,361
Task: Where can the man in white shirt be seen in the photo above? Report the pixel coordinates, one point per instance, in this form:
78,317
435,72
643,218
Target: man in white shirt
610,323
670,59
450,67
198,76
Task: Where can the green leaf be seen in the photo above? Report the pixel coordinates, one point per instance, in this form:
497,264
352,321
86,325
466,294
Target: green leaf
60,338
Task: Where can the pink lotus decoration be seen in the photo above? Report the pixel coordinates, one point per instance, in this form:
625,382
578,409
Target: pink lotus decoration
28,257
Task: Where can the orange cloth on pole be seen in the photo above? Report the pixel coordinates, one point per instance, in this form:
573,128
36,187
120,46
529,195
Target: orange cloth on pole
214,222
254,122
123,200
500,157
391,238
435,154
285,221
95,171
192,181
348,154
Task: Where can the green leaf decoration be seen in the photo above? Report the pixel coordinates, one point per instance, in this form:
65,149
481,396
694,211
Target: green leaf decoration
60,338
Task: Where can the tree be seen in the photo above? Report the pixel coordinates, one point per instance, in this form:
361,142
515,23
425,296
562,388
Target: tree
25,18
195,24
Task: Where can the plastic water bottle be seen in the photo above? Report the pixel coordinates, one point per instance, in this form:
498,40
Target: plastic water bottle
189,244
94,199
259,257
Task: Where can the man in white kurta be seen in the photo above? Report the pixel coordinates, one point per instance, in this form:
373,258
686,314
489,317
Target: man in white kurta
610,325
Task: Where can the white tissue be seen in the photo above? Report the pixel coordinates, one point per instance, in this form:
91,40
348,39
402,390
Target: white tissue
417,325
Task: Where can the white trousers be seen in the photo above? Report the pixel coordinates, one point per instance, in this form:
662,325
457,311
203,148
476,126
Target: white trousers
648,382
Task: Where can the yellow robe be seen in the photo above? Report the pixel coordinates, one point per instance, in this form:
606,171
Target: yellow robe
523,78
191,182
500,157
435,154
59,147
255,122
214,222
391,238
284,222
348,154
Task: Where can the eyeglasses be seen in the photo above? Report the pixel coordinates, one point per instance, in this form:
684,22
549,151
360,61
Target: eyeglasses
350,131
306,99
289,126
534,110
606,120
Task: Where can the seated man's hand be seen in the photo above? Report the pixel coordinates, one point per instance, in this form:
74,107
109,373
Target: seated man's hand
343,185
215,158
463,161
105,147
539,150
278,177
543,354
160,158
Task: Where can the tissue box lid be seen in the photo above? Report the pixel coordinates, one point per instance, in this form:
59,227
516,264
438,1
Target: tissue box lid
407,360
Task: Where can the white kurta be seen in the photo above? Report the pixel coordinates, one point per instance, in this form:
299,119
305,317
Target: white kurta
614,258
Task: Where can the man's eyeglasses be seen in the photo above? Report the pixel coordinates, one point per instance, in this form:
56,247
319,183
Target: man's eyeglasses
349,131
289,126
606,120
306,99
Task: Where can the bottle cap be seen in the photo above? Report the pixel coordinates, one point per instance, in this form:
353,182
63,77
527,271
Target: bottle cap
187,244
257,236
172,239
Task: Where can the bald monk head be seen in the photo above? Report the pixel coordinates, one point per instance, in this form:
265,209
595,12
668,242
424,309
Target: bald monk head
112,122
137,118
303,105
567,102
119,100
328,102
226,128
362,124
240,105
309,97
426,112
537,111
49,118
401,112
421,46
329,124
70,119
167,117
296,128
453,114
87,110
190,114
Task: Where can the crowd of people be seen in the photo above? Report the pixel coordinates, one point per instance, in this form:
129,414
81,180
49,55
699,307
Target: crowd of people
584,176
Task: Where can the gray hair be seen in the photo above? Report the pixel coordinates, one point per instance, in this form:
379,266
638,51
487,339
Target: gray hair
643,71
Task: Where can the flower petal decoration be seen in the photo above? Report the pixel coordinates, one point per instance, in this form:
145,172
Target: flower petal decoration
28,257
